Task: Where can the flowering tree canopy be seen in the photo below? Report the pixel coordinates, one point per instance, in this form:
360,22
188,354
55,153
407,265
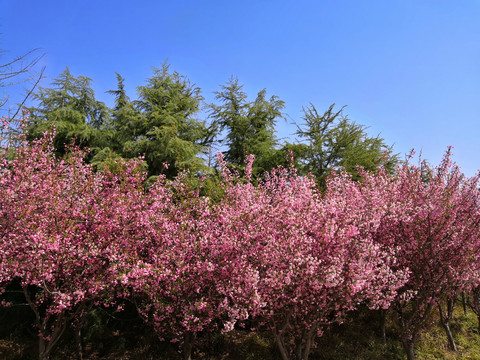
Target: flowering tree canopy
276,251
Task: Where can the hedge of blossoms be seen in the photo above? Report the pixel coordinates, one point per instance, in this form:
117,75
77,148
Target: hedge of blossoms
431,218
279,254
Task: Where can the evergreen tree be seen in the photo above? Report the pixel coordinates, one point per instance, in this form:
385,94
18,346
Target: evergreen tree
70,106
165,128
333,141
249,126
124,122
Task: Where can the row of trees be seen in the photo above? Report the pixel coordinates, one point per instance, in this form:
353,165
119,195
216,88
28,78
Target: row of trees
162,125
273,253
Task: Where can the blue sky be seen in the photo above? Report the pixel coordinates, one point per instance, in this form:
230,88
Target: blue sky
407,69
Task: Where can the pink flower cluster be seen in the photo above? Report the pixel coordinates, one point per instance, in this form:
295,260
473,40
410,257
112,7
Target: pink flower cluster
279,254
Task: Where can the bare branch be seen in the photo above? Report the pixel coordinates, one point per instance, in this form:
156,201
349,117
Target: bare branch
18,71
30,92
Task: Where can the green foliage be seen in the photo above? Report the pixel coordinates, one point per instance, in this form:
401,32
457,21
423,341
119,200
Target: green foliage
166,132
334,142
125,118
162,124
289,152
71,107
249,126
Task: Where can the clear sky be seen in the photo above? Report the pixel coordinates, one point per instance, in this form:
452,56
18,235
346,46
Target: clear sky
407,69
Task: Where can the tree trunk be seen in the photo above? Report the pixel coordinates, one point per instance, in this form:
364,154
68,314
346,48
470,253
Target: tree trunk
409,346
42,348
383,331
445,320
281,346
299,350
303,345
308,342
45,348
464,303
474,303
187,346
78,340
451,340
278,335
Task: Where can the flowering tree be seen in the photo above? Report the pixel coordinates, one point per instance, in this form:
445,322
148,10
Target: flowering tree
280,252
190,279
313,259
62,228
431,219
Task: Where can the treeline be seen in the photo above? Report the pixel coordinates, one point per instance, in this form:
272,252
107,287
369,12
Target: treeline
161,124
274,253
